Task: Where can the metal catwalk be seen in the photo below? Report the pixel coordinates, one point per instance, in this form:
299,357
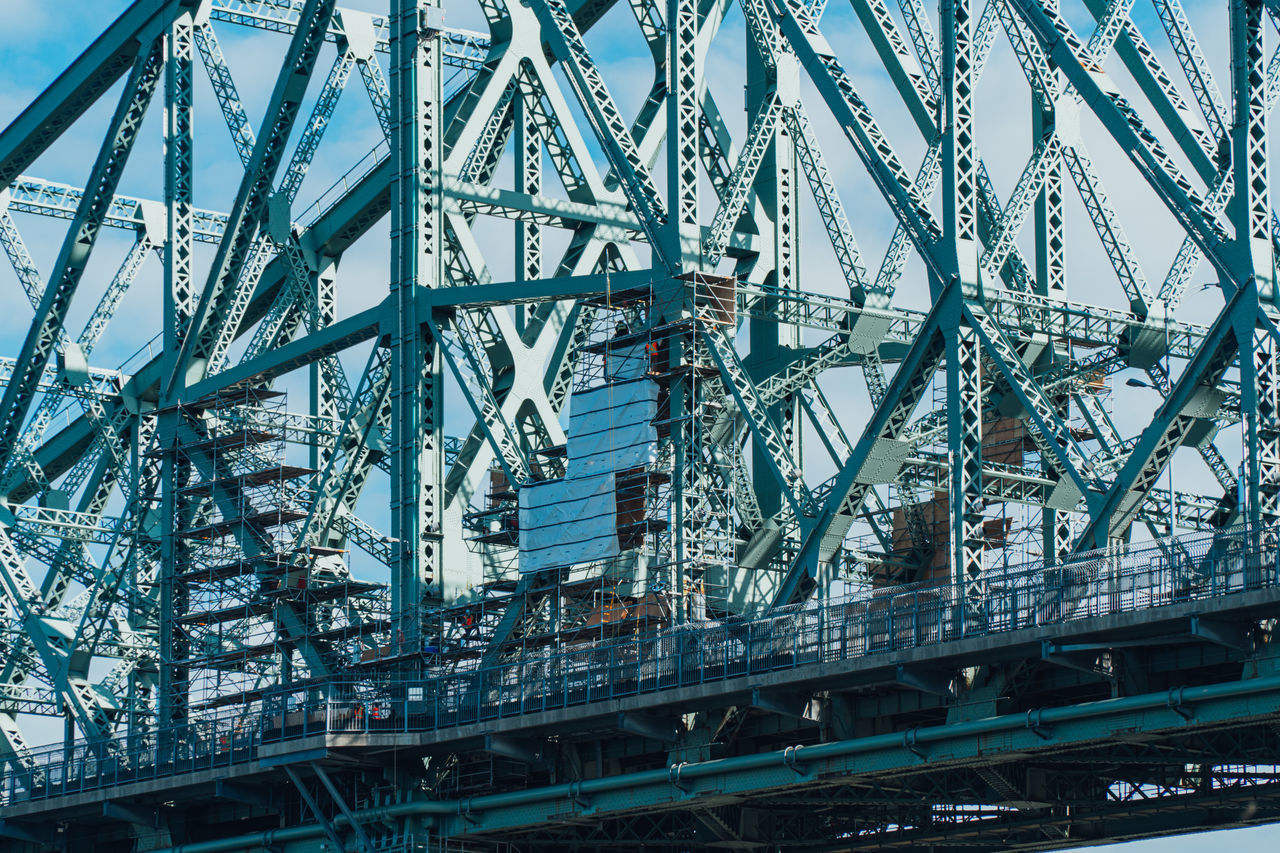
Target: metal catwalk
485,433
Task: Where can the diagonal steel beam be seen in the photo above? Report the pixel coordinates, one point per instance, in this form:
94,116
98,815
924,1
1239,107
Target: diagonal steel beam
239,243
1128,131
1193,396
878,454
224,90
783,466
55,302
606,120
860,127
78,87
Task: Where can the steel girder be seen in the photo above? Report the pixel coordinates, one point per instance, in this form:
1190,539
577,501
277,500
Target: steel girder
919,468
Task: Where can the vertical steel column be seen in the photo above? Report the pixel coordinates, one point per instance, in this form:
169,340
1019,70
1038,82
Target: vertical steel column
417,453
178,308
528,165
959,167
964,435
683,239
772,71
528,146
324,397
964,361
1262,422
683,249
1051,273
1250,212
781,164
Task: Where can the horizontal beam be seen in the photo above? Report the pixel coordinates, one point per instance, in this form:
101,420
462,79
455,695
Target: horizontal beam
298,353
1148,717
461,47
35,195
543,290
28,194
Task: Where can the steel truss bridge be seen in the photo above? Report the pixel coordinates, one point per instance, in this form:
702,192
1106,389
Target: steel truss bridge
615,521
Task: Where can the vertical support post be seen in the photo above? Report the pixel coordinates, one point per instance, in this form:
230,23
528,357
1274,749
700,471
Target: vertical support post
683,239
1250,213
528,146
964,362
178,308
959,166
782,164
778,191
1051,276
324,398
681,354
417,453
1050,241
964,433
683,248
179,293
1263,425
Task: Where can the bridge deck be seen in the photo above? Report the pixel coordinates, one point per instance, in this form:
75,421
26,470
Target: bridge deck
1200,589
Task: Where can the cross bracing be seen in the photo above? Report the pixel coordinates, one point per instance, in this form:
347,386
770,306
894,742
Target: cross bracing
966,314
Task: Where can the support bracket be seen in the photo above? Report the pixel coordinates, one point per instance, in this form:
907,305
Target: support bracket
21,830
784,703
130,814
1233,635
661,728
926,680
1080,659
528,750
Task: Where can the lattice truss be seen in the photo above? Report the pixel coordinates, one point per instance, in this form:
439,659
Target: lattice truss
993,371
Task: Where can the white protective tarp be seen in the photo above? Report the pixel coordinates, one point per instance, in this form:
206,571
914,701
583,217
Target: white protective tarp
625,363
611,428
563,522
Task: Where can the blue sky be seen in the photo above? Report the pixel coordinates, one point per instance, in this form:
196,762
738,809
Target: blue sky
38,38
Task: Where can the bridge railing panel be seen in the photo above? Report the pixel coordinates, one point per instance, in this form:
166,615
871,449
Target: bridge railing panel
1200,566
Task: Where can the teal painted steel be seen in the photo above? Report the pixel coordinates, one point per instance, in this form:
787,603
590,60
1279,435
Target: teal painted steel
907,560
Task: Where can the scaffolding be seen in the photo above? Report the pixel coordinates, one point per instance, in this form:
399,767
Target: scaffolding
1018,484
254,603
606,539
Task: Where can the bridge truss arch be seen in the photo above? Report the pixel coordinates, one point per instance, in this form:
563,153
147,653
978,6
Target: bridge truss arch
889,458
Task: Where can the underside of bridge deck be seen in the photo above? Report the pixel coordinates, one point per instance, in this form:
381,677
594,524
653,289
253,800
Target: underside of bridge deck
488,434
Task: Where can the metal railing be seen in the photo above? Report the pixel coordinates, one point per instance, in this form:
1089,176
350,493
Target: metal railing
1198,567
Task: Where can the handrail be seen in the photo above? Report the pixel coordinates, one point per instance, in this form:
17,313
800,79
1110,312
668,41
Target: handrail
1200,566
